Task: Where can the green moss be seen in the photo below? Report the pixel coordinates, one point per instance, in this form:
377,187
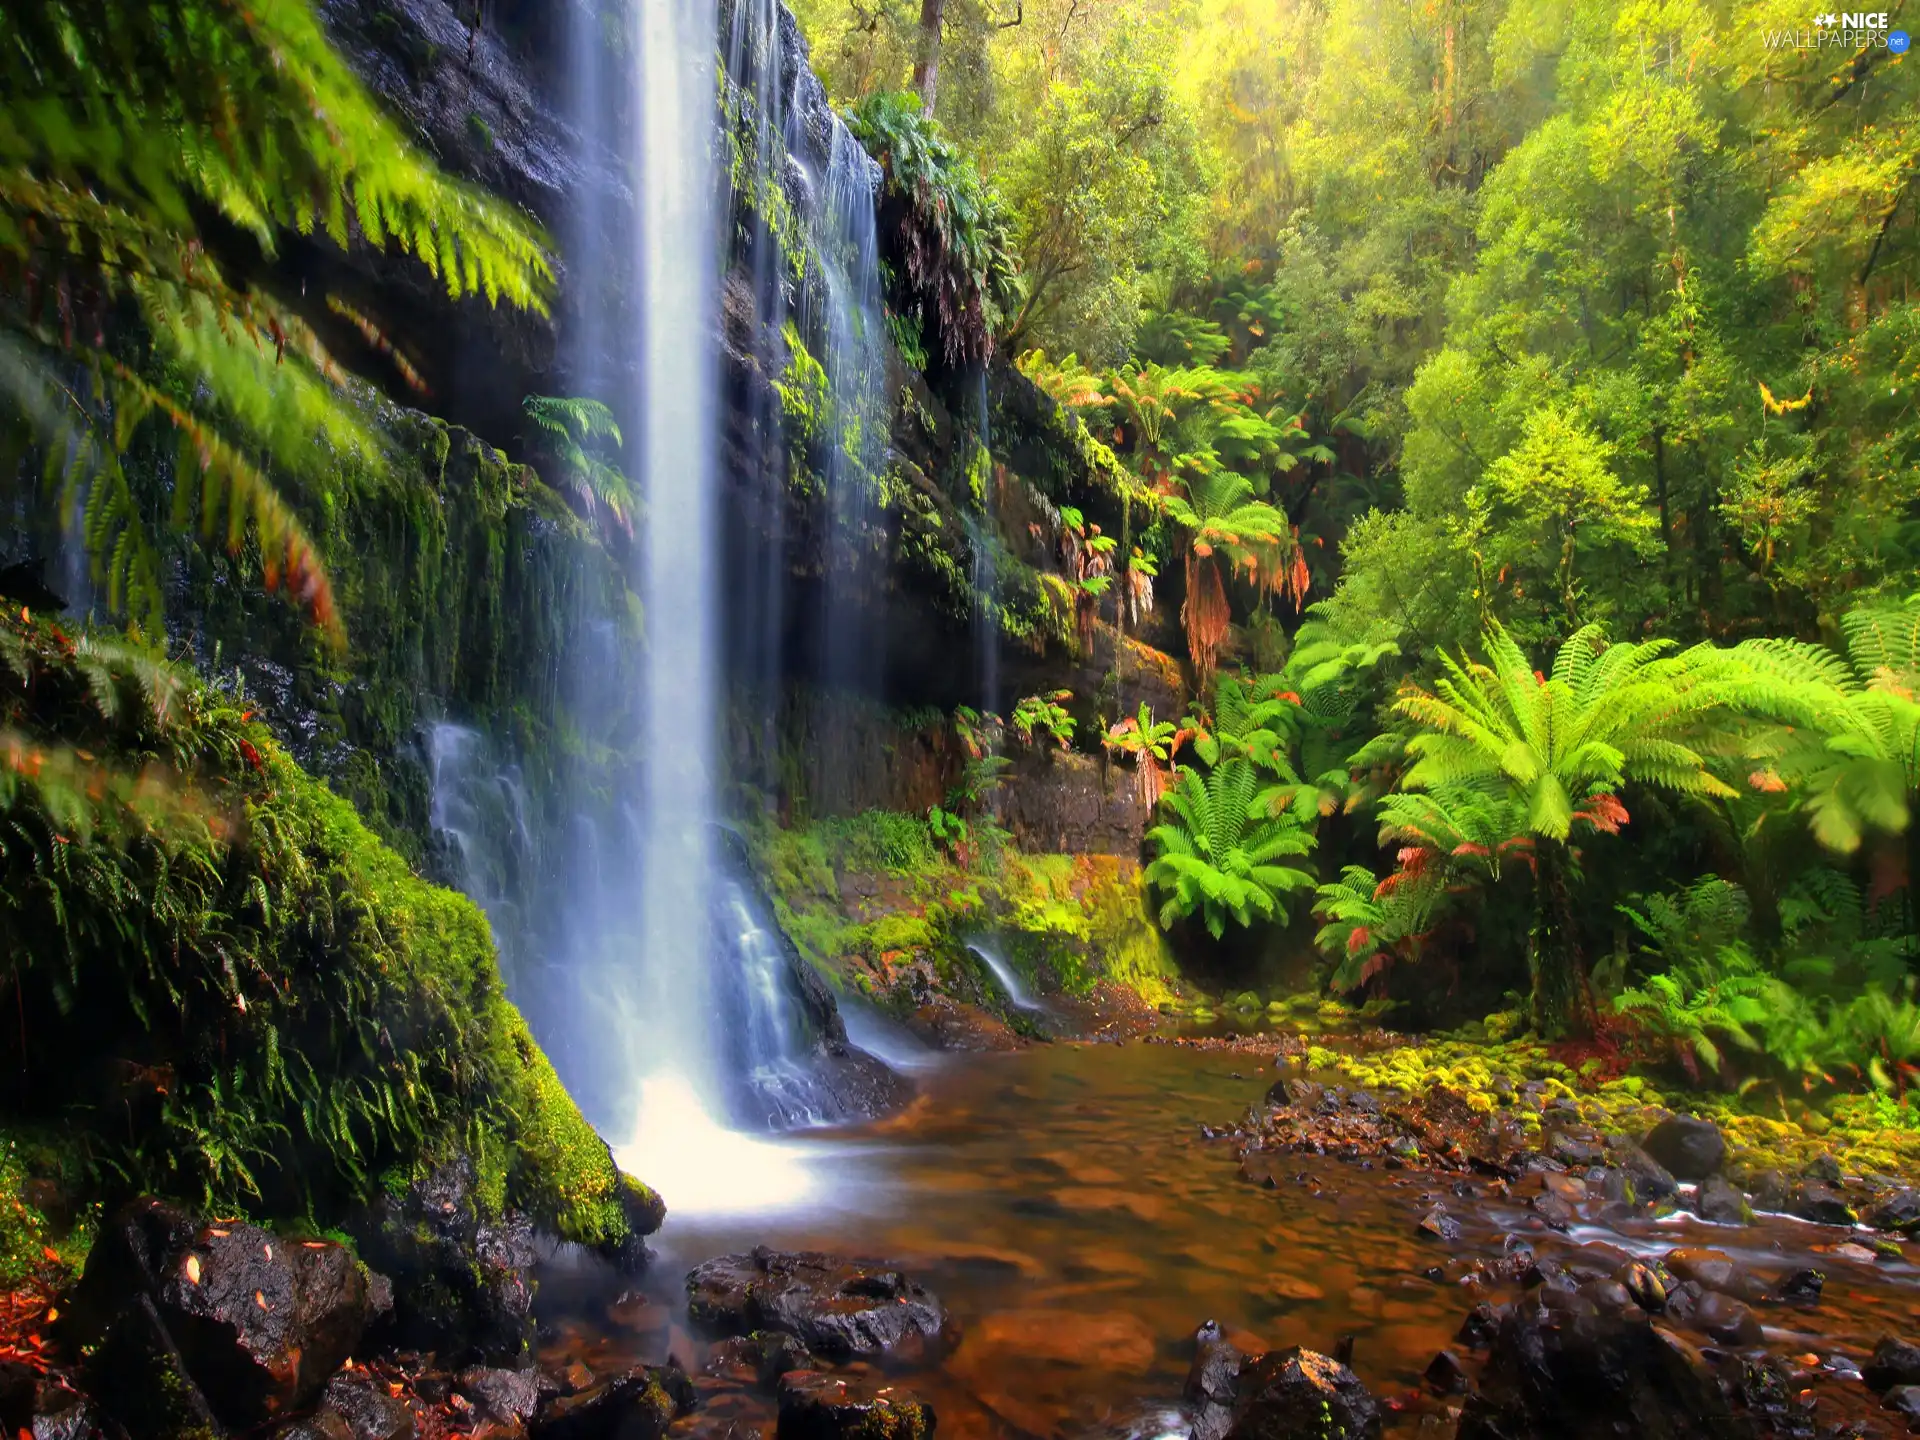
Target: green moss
242,998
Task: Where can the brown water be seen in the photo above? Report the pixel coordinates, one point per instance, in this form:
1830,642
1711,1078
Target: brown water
1062,1203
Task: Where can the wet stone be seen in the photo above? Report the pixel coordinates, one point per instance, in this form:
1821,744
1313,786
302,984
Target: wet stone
501,1397
1819,1202
1437,1224
815,1405
1895,1362
370,1412
1903,1400
1713,1270
1720,1203
1446,1375
1690,1148
1898,1211
1802,1286
638,1405
1286,1394
1649,1178
1725,1319
838,1308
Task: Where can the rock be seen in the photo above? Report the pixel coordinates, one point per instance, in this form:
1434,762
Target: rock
1646,1284
1446,1374
1720,1203
501,1397
141,1379
261,1321
1895,1362
1726,1319
1769,1189
370,1412
51,1411
1212,1381
1903,1400
1714,1270
1898,1211
638,1405
1577,1372
1690,1148
817,1406
1576,1153
1436,1224
1556,1212
1819,1202
463,1285
1649,1179
1858,1254
765,1355
1289,1393
1802,1287
1823,1168
840,1309
321,1425
1478,1329
19,1389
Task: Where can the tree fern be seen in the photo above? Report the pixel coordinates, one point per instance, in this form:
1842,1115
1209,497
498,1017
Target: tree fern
569,430
1217,850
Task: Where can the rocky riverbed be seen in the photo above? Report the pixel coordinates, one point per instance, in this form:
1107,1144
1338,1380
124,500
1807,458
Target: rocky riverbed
1073,1239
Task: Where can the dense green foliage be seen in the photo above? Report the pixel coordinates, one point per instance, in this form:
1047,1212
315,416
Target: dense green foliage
154,158
229,990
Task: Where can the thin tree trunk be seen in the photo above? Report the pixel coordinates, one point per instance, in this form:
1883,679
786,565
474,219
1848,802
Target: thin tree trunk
1562,998
926,68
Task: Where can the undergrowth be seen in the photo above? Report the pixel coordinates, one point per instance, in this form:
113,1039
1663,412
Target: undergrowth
228,990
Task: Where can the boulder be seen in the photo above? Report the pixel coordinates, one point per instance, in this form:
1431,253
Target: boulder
760,1358
1895,1362
370,1411
1898,1211
1577,1371
463,1283
1903,1400
840,1309
1446,1374
70,1417
1725,1319
141,1379
1289,1393
507,1398
1212,1381
638,1405
262,1321
1720,1203
815,1405
1714,1270
1818,1201
1690,1148
1802,1286
322,1424
1649,1179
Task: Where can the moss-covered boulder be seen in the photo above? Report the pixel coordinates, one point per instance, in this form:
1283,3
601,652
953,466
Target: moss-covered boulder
231,992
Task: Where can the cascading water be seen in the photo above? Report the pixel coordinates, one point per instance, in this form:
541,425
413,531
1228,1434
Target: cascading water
478,815
1010,983
986,562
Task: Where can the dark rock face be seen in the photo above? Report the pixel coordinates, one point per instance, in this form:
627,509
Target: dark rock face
1819,1202
1898,1211
1213,1382
638,1405
142,1381
1578,1372
817,1406
213,1320
1895,1362
1649,1178
69,1417
464,1287
1691,1149
502,1397
840,1309
1289,1393
1721,1203
761,1358
370,1412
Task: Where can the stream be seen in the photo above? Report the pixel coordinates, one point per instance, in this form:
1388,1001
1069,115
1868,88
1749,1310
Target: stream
1064,1205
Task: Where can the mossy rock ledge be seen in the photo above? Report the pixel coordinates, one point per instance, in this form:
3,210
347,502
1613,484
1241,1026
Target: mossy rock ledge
234,996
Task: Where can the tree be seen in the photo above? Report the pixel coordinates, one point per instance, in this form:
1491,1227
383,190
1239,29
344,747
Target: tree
152,156
1222,520
1557,749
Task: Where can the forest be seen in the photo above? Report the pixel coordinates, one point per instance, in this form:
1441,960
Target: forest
1227,677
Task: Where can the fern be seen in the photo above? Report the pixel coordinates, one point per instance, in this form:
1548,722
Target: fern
568,431
124,123
1217,852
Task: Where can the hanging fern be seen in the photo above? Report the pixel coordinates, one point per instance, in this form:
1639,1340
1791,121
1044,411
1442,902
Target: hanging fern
568,431
125,124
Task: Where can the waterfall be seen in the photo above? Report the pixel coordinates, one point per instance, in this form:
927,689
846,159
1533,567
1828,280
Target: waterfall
1004,975
985,537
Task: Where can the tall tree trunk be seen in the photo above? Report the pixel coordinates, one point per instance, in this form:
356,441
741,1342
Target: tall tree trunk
1562,998
926,67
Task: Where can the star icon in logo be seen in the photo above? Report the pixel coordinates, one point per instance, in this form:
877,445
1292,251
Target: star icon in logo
1827,19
